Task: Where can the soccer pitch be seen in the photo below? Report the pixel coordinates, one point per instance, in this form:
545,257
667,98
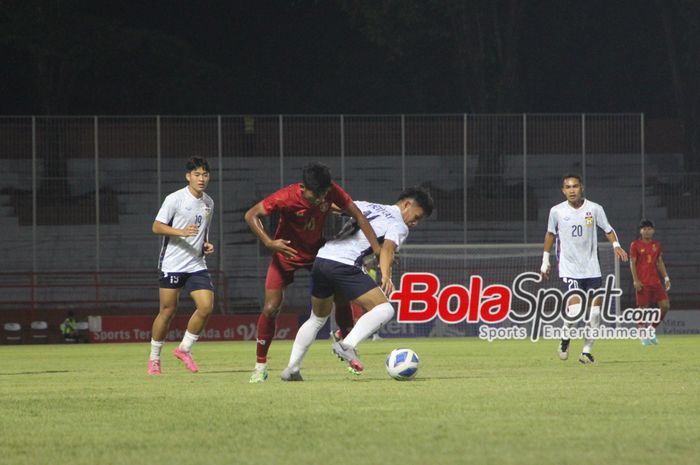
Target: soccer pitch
506,402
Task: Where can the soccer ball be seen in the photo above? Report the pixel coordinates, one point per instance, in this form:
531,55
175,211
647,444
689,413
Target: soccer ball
402,364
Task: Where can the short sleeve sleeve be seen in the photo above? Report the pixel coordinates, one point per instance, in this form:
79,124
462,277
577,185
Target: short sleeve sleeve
397,233
276,201
552,222
602,220
633,250
338,196
167,210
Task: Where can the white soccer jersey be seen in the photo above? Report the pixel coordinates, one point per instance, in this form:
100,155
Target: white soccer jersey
180,209
352,245
577,238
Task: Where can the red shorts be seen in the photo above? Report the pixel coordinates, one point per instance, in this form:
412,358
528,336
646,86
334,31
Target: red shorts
280,273
651,294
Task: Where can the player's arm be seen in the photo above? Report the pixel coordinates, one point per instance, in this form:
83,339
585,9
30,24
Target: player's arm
386,261
352,210
633,268
252,217
617,248
163,229
548,243
208,246
661,266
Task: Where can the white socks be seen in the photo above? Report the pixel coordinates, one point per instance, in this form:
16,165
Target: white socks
369,323
594,323
155,349
187,341
305,337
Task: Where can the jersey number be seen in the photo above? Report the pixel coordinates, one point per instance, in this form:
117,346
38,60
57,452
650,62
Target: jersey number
576,230
198,220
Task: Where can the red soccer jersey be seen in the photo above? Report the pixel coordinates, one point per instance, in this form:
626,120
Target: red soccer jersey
300,222
646,255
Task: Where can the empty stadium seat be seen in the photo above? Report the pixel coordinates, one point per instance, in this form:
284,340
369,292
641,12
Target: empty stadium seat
40,331
12,333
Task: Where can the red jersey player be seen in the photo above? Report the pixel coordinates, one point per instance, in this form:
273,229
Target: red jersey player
646,263
302,209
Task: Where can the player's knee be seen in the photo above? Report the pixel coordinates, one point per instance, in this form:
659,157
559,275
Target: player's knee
271,310
573,310
167,312
206,309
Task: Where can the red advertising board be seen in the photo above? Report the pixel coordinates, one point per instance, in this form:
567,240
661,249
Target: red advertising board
219,328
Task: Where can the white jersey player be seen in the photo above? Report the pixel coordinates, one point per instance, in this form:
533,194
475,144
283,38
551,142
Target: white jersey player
184,220
338,269
574,224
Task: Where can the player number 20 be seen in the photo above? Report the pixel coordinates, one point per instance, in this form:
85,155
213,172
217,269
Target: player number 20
576,230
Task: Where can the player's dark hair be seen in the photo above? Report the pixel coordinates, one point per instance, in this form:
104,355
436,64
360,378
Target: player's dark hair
571,175
197,162
316,177
421,196
646,224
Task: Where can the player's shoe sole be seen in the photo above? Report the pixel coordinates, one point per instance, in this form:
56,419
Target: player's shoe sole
586,358
347,354
289,375
564,349
186,358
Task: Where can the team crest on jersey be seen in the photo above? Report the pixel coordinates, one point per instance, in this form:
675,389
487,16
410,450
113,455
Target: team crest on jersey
589,219
301,213
653,247
207,211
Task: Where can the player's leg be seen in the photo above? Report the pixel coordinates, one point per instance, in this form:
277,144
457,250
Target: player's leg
594,323
643,300
344,317
664,305
277,279
168,298
573,308
204,302
378,312
320,310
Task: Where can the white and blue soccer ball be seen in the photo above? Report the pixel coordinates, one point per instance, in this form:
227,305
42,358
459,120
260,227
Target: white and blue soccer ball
402,364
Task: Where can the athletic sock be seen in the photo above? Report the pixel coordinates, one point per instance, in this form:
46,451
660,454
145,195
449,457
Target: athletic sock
156,346
594,323
305,337
265,333
369,323
343,318
187,341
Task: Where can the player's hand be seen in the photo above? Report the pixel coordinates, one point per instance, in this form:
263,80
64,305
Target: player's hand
190,230
544,271
620,252
638,286
280,245
208,248
387,286
667,282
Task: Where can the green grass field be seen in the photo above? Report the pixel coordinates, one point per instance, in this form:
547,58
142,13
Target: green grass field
506,402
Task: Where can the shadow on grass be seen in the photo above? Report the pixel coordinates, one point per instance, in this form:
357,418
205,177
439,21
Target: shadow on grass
45,372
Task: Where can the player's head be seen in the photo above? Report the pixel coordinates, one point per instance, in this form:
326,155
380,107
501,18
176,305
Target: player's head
197,174
316,182
572,187
415,204
646,229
